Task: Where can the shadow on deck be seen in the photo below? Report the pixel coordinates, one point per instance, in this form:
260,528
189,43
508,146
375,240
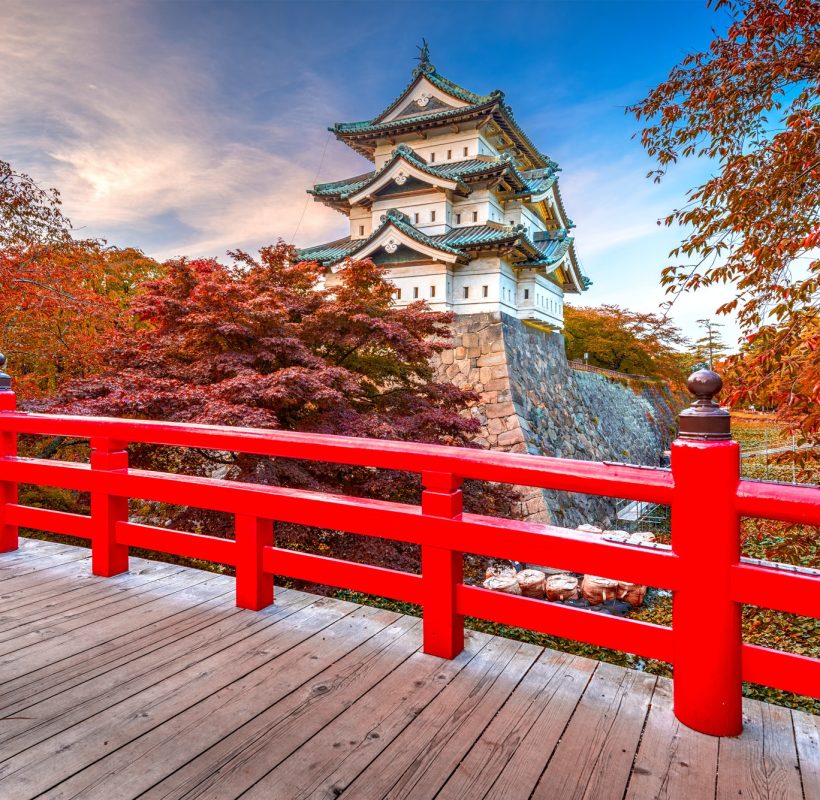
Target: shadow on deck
153,684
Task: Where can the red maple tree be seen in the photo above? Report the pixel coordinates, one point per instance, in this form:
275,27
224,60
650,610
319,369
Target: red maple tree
260,343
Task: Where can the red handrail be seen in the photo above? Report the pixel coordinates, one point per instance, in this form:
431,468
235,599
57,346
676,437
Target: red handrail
703,489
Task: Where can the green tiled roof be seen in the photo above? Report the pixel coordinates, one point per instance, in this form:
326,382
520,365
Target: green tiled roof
454,170
447,86
330,252
457,241
372,126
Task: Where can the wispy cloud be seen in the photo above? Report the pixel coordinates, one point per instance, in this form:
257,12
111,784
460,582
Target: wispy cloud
131,136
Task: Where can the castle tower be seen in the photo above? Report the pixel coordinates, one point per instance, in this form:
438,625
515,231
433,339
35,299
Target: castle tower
460,209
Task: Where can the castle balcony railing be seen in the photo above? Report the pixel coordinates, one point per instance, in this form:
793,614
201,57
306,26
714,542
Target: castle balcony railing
703,489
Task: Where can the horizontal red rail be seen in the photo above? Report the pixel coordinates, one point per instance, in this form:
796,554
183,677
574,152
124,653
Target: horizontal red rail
365,578
177,543
703,489
44,519
634,482
472,533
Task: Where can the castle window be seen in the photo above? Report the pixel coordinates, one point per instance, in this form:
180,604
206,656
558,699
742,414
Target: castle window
466,292
398,294
432,158
361,230
458,219
416,218
432,216
415,292
526,294
449,154
466,151
485,291
432,291
475,216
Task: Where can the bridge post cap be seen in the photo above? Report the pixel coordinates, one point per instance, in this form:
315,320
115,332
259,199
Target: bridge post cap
704,420
5,380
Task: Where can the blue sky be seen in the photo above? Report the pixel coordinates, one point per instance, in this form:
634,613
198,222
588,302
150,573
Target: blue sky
195,127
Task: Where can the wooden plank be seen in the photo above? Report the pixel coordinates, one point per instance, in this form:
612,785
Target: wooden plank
673,761
335,756
421,759
140,594
38,721
594,757
53,678
511,754
14,558
36,664
807,739
761,763
79,745
71,605
276,707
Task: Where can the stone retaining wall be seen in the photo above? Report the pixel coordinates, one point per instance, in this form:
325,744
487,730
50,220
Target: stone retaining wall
532,401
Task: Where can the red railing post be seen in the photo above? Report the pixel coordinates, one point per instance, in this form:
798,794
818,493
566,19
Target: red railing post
107,556
8,447
706,621
442,569
254,586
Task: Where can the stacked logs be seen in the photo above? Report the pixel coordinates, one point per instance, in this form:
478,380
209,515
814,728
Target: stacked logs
564,587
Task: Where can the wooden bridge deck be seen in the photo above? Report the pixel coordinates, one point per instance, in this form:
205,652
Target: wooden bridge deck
153,685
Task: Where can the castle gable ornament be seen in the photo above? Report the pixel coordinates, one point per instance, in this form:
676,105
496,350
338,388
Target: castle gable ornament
390,246
400,178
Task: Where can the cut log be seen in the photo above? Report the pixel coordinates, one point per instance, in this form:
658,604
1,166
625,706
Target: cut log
589,529
532,583
503,583
639,537
596,590
562,587
499,571
632,593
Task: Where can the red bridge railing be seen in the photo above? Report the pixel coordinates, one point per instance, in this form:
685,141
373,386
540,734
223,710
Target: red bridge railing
703,488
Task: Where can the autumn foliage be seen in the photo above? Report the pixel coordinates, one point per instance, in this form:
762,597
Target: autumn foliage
750,104
626,341
259,343
61,298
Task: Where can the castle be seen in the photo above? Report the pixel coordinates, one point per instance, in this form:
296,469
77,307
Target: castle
461,209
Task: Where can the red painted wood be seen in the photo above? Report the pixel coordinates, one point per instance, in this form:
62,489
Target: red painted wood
108,557
491,536
703,489
44,519
705,617
178,543
779,501
780,590
442,569
589,477
365,578
8,488
254,586
788,671
619,633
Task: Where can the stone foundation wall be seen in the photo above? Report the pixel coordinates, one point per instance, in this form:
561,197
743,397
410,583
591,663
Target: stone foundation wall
532,401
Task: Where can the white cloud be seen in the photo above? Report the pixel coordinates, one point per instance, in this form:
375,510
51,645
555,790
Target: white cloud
128,131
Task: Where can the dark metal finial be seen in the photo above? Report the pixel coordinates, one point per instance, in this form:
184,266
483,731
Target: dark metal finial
704,420
424,58
5,380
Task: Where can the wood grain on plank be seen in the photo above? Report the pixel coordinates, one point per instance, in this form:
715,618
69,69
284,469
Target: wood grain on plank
761,763
594,757
673,761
